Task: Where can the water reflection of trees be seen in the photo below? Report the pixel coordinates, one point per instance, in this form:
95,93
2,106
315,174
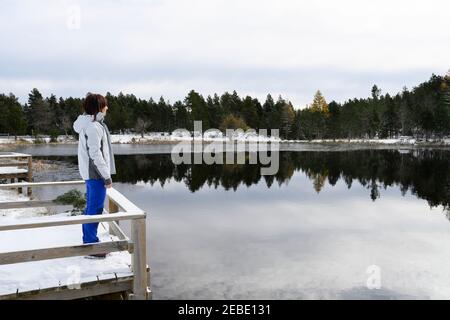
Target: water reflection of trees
425,173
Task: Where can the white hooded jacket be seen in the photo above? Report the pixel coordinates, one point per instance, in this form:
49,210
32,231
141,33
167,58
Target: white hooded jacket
95,154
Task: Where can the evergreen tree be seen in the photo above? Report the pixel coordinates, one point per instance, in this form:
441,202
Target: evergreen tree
39,115
166,115
374,123
236,104
287,120
4,106
226,103
427,122
441,111
17,124
12,119
406,113
71,108
53,110
215,111
181,115
250,113
275,116
268,112
296,127
390,122
447,88
307,125
376,92
334,121
114,120
197,107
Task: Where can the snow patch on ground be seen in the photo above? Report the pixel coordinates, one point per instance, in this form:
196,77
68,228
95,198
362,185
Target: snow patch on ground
11,215
31,139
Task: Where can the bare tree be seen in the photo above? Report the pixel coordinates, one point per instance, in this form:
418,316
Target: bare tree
142,125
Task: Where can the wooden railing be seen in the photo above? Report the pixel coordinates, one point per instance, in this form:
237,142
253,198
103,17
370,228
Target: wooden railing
19,160
119,208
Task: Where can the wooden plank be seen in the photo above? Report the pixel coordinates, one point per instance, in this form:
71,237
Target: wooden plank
19,190
92,290
12,176
14,164
30,169
30,176
87,289
115,230
63,221
62,252
41,184
29,204
139,257
114,227
121,201
149,292
15,155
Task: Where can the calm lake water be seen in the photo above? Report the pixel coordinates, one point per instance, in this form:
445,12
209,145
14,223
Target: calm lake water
330,222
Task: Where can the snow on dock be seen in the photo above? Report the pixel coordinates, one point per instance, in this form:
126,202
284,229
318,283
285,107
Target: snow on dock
44,273
12,170
16,167
28,276
51,273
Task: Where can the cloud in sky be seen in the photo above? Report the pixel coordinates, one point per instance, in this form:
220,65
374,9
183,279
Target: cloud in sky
159,47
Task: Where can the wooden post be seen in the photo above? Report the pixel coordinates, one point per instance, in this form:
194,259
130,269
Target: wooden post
112,206
149,295
139,260
13,180
19,190
30,174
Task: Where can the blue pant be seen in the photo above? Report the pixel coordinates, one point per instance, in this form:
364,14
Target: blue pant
95,200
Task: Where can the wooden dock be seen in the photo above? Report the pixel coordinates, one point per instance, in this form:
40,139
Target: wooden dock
16,167
127,281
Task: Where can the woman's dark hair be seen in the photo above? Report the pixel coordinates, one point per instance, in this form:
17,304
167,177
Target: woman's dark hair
94,103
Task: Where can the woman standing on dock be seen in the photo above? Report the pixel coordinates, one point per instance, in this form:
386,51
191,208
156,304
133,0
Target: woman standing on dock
95,159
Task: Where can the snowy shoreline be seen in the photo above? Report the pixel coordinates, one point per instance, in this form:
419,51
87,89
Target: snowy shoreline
167,138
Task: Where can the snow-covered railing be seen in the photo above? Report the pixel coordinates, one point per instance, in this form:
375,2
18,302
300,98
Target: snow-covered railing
119,208
12,166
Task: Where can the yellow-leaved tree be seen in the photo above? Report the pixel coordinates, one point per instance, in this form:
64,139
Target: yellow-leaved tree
319,104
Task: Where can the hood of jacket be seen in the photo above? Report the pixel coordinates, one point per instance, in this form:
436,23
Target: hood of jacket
84,119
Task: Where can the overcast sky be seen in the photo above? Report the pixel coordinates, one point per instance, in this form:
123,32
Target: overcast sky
168,47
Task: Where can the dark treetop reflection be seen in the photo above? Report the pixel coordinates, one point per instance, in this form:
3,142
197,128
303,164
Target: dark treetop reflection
423,172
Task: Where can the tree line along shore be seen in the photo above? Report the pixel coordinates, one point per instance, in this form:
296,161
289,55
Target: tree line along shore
421,113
